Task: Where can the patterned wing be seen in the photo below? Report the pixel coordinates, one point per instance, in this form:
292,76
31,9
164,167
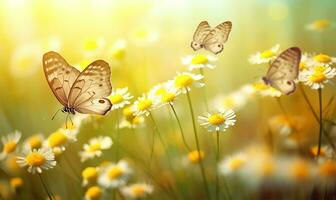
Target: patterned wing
215,40
60,75
88,93
284,70
202,30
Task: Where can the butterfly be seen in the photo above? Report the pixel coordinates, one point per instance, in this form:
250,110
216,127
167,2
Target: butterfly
211,39
84,92
284,70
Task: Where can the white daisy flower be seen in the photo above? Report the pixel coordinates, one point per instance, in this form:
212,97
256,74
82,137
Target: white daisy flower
218,121
118,50
130,120
59,139
306,62
120,97
90,175
9,143
317,76
93,193
37,160
232,164
184,81
144,104
265,56
323,59
94,147
165,93
137,190
320,25
199,61
34,142
115,175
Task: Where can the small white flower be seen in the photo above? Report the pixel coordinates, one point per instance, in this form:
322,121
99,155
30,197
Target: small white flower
199,61
120,97
34,142
265,56
59,139
320,25
144,104
37,160
165,93
138,190
323,59
232,163
318,76
184,81
90,175
94,147
218,121
266,90
115,175
10,143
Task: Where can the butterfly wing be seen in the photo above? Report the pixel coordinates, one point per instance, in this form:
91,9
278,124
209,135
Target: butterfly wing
284,70
202,30
88,93
60,75
215,40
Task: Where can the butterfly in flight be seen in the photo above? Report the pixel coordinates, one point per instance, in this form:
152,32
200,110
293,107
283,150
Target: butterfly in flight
84,92
211,39
284,70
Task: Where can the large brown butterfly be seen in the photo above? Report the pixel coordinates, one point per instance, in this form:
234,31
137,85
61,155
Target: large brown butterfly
212,39
84,92
284,70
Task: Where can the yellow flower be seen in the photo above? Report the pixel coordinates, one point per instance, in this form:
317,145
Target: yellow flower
264,56
37,160
10,143
184,81
195,156
218,121
93,193
320,25
144,104
232,163
34,141
199,61
115,175
94,147
16,182
120,97
89,175
138,190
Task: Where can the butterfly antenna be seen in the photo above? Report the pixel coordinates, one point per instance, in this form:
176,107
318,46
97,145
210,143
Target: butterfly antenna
71,121
55,114
66,121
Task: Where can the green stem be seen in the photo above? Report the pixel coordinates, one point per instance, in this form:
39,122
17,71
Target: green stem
198,146
117,137
204,91
317,118
321,125
180,127
217,161
45,186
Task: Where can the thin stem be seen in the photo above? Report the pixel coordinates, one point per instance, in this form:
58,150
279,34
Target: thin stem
321,126
198,146
204,91
117,138
281,106
317,118
45,186
217,161
180,127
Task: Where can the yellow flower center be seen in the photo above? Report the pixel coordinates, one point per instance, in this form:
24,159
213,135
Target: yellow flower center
183,80
118,53
138,190
267,54
35,142
302,66
160,91
94,147
195,156
16,182
128,112
93,193
317,77
144,104
57,138
216,119
199,59
90,174
114,172
328,169
300,170
236,163
260,86
136,120
168,97
322,58
321,24
9,147
35,159
117,98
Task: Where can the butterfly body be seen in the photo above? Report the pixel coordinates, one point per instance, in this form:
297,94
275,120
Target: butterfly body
84,92
211,39
284,70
